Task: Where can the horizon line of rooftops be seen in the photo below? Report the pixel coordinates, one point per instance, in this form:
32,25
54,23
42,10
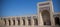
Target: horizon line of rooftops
26,15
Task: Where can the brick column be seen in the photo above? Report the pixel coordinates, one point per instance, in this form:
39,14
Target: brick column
16,22
52,19
51,14
26,21
40,20
7,22
21,21
32,21
11,21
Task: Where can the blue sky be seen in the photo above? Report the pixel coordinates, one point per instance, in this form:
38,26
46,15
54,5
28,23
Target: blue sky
23,7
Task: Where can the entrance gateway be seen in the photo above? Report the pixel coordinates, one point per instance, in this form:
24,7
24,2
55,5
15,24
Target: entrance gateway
45,13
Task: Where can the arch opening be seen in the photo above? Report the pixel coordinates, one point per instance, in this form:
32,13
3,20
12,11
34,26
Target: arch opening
23,21
9,22
29,21
57,21
46,17
5,22
35,21
13,22
18,22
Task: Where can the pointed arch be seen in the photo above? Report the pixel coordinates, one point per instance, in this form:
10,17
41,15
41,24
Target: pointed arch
46,17
57,21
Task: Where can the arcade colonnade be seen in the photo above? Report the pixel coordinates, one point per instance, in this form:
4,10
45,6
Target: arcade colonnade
21,21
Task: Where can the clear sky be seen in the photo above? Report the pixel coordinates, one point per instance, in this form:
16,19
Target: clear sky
22,7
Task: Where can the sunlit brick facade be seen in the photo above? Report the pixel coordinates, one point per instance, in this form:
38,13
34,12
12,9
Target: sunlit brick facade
45,17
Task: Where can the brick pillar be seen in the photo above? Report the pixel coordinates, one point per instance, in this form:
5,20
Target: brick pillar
16,22
40,20
7,22
32,22
21,21
11,21
26,21
51,14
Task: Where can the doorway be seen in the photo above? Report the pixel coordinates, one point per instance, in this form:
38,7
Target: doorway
57,21
46,17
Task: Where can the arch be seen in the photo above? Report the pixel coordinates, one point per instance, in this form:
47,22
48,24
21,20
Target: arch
35,21
57,21
46,17
18,22
23,21
13,22
29,21
9,22
5,21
